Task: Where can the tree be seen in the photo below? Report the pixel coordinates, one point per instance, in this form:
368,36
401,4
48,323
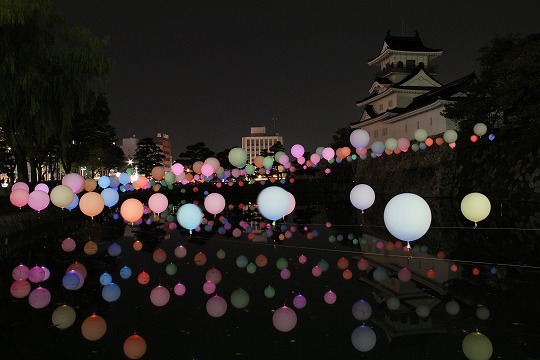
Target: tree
341,138
47,74
193,153
147,156
505,94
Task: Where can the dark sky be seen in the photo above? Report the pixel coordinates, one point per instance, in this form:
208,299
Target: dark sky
209,70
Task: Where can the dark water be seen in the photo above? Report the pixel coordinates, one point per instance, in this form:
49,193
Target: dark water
504,248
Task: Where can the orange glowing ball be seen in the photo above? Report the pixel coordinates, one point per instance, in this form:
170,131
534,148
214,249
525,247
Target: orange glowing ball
347,274
159,256
439,141
137,245
431,274
200,259
91,204
441,255
90,185
474,138
90,248
476,271
131,210
79,267
134,347
342,263
261,260
93,327
143,278
142,181
158,172
429,141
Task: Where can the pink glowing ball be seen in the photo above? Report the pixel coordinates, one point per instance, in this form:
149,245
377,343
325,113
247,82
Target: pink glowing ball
177,169
42,187
284,319
216,306
285,274
180,252
39,298
404,275
209,287
20,272
74,181
179,289
19,197
315,158
20,289
38,200
328,153
36,274
214,203
158,203
207,169
299,301
330,297
20,185
68,244
47,273
302,259
159,296
297,150
213,275
316,271
135,347
362,264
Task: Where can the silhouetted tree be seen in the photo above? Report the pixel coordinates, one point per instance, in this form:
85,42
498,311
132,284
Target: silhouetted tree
147,156
193,153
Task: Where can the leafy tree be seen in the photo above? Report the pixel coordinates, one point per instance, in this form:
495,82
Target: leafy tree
505,94
193,153
147,156
341,138
7,160
223,157
47,74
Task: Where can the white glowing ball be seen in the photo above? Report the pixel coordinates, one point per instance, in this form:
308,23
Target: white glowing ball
284,319
482,312
393,303
420,135
450,136
422,311
359,138
480,129
274,202
299,301
239,298
330,297
159,296
363,338
361,310
63,317
407,217
216,306
362,196
452,307
475,207
477,346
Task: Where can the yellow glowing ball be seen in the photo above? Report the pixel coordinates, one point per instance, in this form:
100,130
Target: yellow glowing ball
477,346
475,207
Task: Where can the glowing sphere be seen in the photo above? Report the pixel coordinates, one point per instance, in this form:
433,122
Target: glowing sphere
134,347
189,216
482,312
407,216
19,197
393,303
20,289
63,317
377,147
302,259
242,261
475,207
450,136
273,202
213,275
158,172
330,297
38,200
68,244
359,138
452,307
137,245
200,258
71,280
342,263
131,210
216,306
239,298
125,272
422,311
104,182
158,203
74,181
110,197
91,204
362,264
93,327
171,269
105,278
159,256
61,196
420,135
90,248
480,129
39,298
237,157
477,346
299,301
251,268
404,275
261,260
316,271
362,196
391,144
284,319
361,310
20,272
180,252
282,263
36,274
114,249
179,289
403,144
380,274
328,153
214,203
209,287
177,169
159,296
20,185
269,292
285,274
297,150
111,292
363,338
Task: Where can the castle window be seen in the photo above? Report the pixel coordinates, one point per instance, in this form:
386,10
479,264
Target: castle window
418,124
390,103
384,131
430,121
380,107
410,64
400,64
405,128
375,133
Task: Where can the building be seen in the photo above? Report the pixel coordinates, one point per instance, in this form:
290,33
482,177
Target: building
405,95
258,141
164,142
129,147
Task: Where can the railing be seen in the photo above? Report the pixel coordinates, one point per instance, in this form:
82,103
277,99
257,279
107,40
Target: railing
432,70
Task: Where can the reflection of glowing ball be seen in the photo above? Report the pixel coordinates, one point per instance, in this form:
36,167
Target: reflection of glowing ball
284,319
159,296
330,297
404,275
111,292
39,298
422,311
239,298
299,301
393,303
452,307
90,248
143,278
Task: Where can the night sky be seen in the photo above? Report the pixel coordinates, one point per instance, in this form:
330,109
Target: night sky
209,70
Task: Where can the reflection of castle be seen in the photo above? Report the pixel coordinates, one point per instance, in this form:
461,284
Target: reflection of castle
420,290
